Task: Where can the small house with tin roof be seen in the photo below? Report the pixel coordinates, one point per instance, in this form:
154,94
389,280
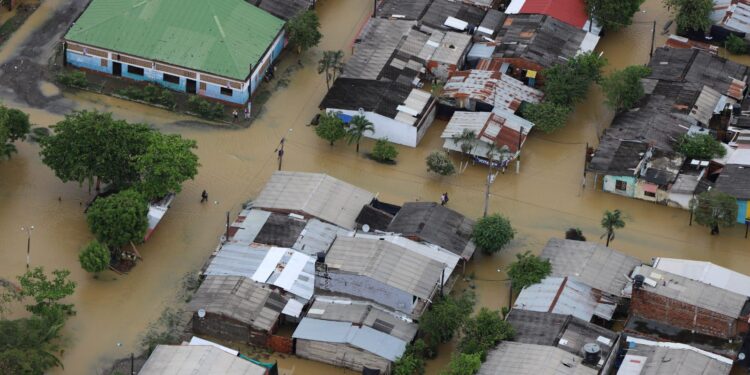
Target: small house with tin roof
375,337
236,308
198,359
432,223
380,271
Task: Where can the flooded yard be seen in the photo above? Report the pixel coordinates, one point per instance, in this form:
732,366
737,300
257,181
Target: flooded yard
542,201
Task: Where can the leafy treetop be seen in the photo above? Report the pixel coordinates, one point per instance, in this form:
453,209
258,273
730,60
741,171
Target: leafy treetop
623,88
613,15
491,233
330,127
714,209
483,332
95,257
568,83
546,116
119,219
304,31
691,14
167,162
528,269
445,316
464,364
45,292
439,162
700,146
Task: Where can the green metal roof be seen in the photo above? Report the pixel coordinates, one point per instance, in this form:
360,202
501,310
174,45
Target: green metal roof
223,37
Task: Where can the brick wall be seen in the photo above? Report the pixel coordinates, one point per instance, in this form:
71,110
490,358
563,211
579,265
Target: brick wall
220,327
682,315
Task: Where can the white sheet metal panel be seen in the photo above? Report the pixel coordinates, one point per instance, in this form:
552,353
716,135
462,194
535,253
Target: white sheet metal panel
589,43
291,273
268,265
195,340
515,6
293,308
706,272
740,156
632,365
456,23
679,346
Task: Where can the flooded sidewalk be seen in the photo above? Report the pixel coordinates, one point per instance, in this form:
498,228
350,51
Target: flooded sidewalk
542,201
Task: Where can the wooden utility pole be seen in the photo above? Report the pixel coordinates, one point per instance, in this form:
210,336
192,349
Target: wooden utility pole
653,35
518,158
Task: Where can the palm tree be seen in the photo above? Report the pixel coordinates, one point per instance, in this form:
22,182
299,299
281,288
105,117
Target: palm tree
492,152
466,141
357,128
610,221
332,63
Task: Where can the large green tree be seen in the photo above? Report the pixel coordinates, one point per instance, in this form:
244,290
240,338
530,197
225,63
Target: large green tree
613,15
95,257
330,127
491,233
546,116
303,31
384,151
14,125
612,220
167,162
691,14
119,219
89,145
445,316
46,292
623,88
528,269
332,64
700,146
714,209
483,332
358,126
568,83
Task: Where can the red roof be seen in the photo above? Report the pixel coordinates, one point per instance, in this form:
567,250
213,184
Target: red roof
572,12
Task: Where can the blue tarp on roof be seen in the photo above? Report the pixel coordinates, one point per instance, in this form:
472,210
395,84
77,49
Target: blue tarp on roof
345,118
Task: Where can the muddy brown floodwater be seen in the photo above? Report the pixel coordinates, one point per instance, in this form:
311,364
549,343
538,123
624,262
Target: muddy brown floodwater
542,201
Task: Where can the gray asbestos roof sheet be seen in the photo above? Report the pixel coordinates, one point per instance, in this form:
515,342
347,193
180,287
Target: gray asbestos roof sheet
196,359
693,292
538,38
386,262
595,265
365,338
528,359
241,299
315,194
317,237
364,314
735,181
409,9
436,224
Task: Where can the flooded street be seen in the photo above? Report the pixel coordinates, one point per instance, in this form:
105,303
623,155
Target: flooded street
542,201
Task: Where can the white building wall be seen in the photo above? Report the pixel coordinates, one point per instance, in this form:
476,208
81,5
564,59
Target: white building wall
395,131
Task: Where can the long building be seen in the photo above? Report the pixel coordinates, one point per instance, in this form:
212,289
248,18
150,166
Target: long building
219,49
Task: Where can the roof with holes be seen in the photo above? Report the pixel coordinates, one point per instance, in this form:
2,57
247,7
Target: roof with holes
223,37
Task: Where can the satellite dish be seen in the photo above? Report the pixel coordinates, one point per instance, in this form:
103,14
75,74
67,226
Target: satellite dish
201,313
365,228
741,357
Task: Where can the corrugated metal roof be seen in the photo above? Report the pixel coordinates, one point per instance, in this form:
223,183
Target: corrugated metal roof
705,107
491,87
448,259
667,358
707,273
365,338
563,331
315,194
317,237
562,296
436,224
503,128
249,224
529,359
286,268
196,359
223,37
363,313
572,12
592,264
386,262
375,46
692,292
241,299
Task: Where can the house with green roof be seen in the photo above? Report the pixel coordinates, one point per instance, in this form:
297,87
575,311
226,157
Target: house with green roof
218,49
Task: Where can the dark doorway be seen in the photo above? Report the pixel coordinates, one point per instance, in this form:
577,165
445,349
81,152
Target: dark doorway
116,69
190,86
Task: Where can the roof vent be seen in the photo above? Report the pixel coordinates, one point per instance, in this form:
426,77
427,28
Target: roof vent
638,281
